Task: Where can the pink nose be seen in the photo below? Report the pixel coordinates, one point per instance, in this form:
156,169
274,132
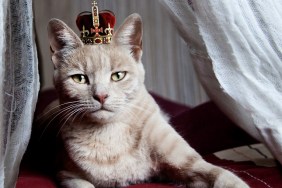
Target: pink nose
101,98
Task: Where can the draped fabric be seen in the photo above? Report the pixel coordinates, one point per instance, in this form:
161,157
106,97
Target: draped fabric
19,85
236,49
165,55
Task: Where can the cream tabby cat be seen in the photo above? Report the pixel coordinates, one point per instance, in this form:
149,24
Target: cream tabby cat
117,135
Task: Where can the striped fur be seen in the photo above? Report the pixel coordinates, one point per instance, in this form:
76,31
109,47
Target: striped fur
124,138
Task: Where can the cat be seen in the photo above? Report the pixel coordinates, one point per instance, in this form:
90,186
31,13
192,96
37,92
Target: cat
115,134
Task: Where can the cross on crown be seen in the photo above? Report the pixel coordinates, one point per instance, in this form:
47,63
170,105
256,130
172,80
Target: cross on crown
92,24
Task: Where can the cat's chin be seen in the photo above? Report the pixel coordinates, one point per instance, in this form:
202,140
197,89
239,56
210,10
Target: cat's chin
101,116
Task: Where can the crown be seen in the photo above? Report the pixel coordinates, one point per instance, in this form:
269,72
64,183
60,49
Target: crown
96,27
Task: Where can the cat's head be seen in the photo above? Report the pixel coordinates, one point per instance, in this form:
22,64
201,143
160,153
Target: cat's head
97,81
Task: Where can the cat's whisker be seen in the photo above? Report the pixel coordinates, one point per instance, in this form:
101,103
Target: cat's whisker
130,113
58,113
78,109
82,110
50,112
82,116
75,107
67,118
131,110
88,106
65,109
130,105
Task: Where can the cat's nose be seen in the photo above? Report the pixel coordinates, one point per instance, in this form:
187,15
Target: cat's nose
101,97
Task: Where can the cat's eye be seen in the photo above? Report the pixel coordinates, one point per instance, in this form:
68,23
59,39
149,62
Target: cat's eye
118,76
80,78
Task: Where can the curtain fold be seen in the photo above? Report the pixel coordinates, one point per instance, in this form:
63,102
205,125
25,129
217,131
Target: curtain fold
19,85
236,48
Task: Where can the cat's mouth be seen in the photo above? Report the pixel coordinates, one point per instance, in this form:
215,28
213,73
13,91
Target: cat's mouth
101,110
101,114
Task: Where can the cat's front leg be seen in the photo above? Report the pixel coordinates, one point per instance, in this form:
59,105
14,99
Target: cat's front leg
183,163
69,180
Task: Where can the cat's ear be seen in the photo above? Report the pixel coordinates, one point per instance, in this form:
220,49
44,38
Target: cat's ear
61,37
130,34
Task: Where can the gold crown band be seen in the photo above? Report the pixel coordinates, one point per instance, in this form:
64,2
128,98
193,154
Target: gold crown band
97,40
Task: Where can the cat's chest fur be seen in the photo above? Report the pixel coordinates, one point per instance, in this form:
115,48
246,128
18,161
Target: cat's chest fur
114,152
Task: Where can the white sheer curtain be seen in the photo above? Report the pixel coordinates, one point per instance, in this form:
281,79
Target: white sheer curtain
166,57
236,48
19,85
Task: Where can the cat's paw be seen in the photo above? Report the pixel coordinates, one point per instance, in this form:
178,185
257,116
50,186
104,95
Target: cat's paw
76,183
229,180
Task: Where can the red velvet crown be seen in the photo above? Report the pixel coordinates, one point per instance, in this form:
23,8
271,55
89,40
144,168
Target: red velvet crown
96,27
